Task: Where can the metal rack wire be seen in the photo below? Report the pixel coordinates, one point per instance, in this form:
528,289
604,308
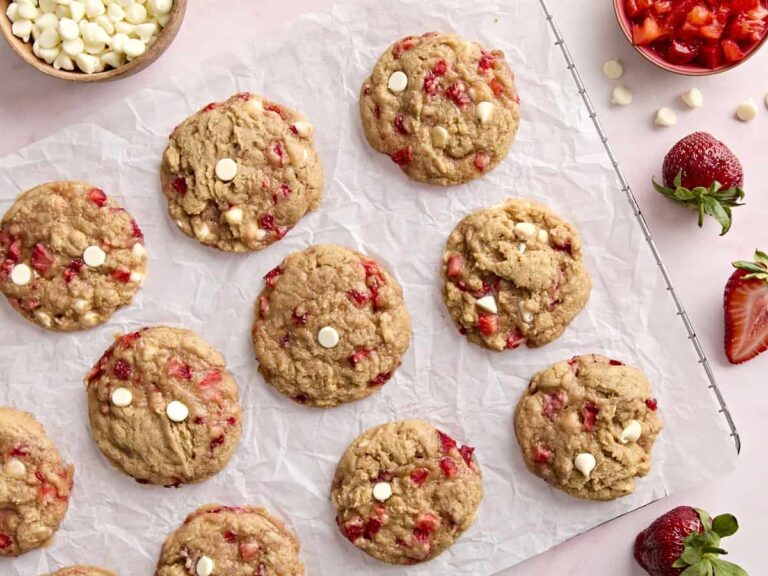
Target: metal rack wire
560,41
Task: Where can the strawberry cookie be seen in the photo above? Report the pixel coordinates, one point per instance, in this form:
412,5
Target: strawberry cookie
404,492
587,426
234,541
35,485
83,571
514,274
444,109
331,326
239,174
163,407
69,256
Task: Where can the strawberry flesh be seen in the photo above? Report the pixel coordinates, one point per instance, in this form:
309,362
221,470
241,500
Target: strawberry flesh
746,317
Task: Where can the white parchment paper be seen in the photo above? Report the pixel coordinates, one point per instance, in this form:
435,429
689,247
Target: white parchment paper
288,453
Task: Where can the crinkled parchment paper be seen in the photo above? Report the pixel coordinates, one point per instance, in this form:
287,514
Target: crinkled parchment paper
288,453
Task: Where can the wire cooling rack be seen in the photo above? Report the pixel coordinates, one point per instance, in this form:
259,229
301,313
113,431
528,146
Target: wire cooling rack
571,65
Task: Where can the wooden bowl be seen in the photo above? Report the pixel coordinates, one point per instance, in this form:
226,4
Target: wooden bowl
153,52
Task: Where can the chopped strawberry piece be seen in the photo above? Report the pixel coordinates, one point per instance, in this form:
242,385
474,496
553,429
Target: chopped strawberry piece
615,363
211,106
403,46
42,260
271,277
448,466
278,153
514,340
419,476
136,231
127,340
652,404
230,537
455,265
299,318
267,222
357,297
73,270
263,306
231,421
285,340
377,111
211,378
481,161
732,51
179,185
47,493
487,324
121,274
380,379
244,96
467,453
399,123
372,527
216,442
284,190
446,442
178,369
122,370
554,403
564,246
441,67
19,450
457,93
428,522
649,31
497,87
97,196
487,61
432,78
353,529
14,251
403,157
358,355
542,454
589,414
5,541
711,56
249,550
199,420
271,107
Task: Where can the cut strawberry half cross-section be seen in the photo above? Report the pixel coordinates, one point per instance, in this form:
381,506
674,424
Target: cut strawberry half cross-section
746,310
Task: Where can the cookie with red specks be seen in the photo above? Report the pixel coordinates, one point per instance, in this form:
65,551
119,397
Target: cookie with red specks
35,485
235,541
331,326
404,492
70,256
83,571
239,174
587,426
514,274
163,407
445,110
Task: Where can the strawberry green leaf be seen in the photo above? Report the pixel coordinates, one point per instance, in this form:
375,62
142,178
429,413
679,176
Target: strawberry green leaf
703,568
758,269
725,525
724,568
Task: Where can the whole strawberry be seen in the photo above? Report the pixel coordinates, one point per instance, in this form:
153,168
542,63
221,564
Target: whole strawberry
746,309
702,173
686,541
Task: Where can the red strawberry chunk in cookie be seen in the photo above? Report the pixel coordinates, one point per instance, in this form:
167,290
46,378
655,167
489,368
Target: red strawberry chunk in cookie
380,379
5,541
97,196
589,414
487,324
403,157
358,355
178,369
487,61
271,277
249,550
652,404
542,454
466,453
122,370
121,274
457,92
419,476
446,442
179,186
211,378
514,340
399,123
428,522
357,297
455,265
481,161
448,466
554,403
373,526
432,78
42,260
73,270
353,529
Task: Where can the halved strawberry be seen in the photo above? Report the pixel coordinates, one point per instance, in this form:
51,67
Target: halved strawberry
732,51
746,310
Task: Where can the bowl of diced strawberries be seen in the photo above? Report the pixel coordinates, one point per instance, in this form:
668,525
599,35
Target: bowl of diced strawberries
695,37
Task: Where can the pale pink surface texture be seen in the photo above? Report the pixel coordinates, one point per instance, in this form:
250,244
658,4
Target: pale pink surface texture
34,106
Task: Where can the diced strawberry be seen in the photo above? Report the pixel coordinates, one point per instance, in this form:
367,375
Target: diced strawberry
652,404
263,306
128,340
353,529
136,231
749,27
211,106
211,378
455,265
178,369
73,270
589,414
481,160
712,31
230,537
399,123
14,251
358,355
466,453
440,68
249,550
357,297
711,56
97,196
446,442
278,153
267,222
542,454
419,476
732,51
403,46
5,541
554,403
179,186
682,52
244,96
42,260
615,363
373,526
448,466
428,522
19,451
457,93
216,442
121,274
700,15
487,61
271,277
497,87
231,421
380,379
122,370
403,157
514,340
272,107
487,324
648,32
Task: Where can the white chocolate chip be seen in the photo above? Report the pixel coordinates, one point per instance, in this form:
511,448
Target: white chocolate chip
63,62
43,318
134,48
693,98
255,105
260,234
526,229
747,110
632,432
81,306
47,22
21,274
73,47
49,38
12,12
226,169
585,463
484,111
176,411
487,303
543,236
397,82
28,11
525,314
122,397
137,277
15,469
68,29
522,247
440,137
328,337
49,54
234,216
77,11
22,29
201,230
136,13
94,256
94,8
665,117
90,319
622,96
613,69
303,129
382,491
138,252
204,566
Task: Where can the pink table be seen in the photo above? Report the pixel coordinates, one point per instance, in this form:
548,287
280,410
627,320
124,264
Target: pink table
34,106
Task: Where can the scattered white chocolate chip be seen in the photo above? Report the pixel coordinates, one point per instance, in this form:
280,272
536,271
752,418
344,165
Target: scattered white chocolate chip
328,337
665,117
585,463
89,319
302,128
137,277
526,229
382,491
693,98
613,69
747,110
525,314
94,256
522,247
543,236
622,96
15,468
43,318
397,82
81,306
21,274
122,397
138,251
632,432
204,566
260,234
484,111
226,169
440,137
177,411
487,303
234,216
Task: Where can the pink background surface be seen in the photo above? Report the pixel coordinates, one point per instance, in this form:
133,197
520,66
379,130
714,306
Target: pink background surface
34,106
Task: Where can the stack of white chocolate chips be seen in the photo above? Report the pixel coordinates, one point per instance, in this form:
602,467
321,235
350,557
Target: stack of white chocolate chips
90,35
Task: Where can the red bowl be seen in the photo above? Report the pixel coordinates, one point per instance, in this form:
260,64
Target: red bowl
686,69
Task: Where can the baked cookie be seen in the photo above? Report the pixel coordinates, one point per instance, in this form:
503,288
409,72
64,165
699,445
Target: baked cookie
69,256
239,174
404,492
245,541
514,274
35,484
587,426
163,407
444,109
82,571
331,326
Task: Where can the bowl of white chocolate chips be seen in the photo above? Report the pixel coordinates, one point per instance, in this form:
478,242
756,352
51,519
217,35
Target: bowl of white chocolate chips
90,40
